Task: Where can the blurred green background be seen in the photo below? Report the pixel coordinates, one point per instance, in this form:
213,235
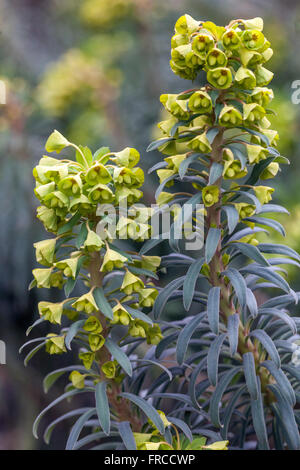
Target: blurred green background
94,70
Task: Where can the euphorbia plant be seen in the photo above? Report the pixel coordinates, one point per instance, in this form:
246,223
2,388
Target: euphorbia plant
243,366
86,204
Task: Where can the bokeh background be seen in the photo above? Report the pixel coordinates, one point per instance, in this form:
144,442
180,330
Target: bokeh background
94,70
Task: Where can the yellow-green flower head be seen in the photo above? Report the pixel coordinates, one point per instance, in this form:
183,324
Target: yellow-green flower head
42,277
177,107
112,260
48,218
256,153
41,190
263,193
93,242
137,329
253,113
55,344
147,297
250,239
250,58
200,102
87,358
133,178
82,204
56,142
86,303
98,173
216,58
57,280
270,172
186,25
272,136
50,169
193,61
151,262
165,174
109,369
51,312
253,39
93,325
120,315
179,40
175,161
262,96
187,72
71,185
202,43
230,117
77,379
131,283
219,445
132,195
153,334
210,195
45,251
96,341
180,53
128,157
68,266
201,144
233,169
263,76
164,198
220,77
244,209
245,78
56,200
231,39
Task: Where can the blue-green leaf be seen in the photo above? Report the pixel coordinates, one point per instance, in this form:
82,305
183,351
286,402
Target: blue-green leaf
148,409
211,244
119,356
77,428
165,294
102,407
233,332
250,375
213,358
127,435
72,332
185,336
103,303
268,344
213,309
189,283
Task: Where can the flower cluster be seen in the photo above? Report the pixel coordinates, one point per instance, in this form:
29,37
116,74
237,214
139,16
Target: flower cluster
74,196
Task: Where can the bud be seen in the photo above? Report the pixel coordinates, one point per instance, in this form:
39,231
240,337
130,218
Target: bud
202,44
92,325
56,142
244,209
96,341
270,172
263,193
186,25
245,78
93,242
112,260
200,143
147,297
128,157
77,379
216,58
87,359
210,195
120,315
109,369
230,117
45,251
98,173
71,185
220,77
68,266
153,334
230,39
200,102
85,303
55,344
137,329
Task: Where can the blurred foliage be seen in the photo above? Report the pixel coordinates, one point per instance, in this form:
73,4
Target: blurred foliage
94,69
